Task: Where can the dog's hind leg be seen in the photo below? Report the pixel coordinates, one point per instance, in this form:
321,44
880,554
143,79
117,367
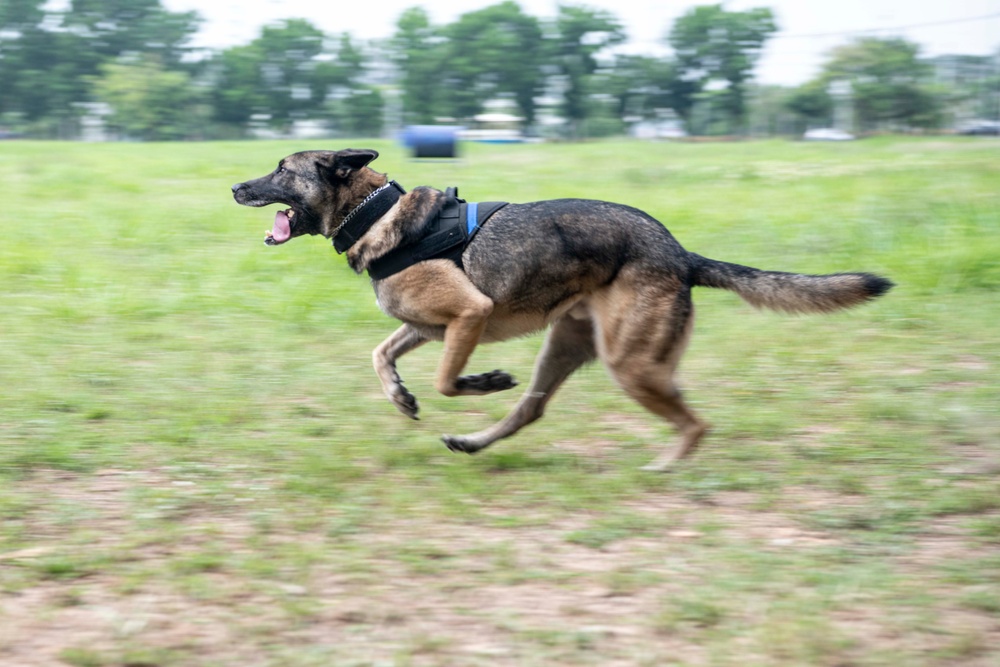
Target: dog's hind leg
643,330
660,397
569,345
404,339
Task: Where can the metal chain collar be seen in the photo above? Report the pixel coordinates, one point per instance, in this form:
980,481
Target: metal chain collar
357,208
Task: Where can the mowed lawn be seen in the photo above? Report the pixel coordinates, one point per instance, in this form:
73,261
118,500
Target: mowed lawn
198,467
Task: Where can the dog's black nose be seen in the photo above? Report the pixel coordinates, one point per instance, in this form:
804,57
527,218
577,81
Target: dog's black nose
236,188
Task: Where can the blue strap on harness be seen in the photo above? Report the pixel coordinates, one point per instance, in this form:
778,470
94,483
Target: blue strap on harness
471,217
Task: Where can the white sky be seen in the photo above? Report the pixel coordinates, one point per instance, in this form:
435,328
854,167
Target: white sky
791,57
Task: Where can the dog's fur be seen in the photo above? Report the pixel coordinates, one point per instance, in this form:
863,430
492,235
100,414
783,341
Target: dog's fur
609,282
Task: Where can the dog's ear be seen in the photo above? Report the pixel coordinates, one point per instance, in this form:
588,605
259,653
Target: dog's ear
341,164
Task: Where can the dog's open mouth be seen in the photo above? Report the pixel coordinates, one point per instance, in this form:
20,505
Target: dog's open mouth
282,230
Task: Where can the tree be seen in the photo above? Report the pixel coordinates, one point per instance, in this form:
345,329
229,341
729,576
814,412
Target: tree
887,82
641,85
50,58
492,51
236,90
711,43
769,113
419,53
812,102
311,75
357,108
278,75
359,113
40,74
111,28
150,102
579,35
38,67
21,13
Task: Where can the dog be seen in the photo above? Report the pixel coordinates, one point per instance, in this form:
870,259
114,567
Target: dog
608,281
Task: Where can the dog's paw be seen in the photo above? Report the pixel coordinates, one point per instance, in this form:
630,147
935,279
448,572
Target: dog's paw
485,383
405,402
457,443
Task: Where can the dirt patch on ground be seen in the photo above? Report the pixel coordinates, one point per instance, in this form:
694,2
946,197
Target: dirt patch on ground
214,586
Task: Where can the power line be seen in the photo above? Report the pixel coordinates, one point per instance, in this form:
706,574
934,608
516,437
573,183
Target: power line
969,19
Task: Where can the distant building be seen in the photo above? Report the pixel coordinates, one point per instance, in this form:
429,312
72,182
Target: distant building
964,70
972,85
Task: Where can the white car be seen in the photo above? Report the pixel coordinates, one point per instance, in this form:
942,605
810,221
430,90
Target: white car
827,134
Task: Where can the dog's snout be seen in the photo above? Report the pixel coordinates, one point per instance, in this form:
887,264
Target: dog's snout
238,187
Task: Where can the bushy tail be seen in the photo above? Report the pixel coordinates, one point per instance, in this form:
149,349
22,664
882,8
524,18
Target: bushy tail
790,292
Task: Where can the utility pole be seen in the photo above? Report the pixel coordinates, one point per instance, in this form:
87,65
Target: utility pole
843,104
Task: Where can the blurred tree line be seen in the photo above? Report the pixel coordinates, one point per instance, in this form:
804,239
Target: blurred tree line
131,63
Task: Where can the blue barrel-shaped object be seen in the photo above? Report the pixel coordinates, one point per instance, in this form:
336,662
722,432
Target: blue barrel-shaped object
432,140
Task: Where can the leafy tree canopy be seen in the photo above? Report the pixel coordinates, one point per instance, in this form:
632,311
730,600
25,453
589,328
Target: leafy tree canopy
494,50
579,35
711,42
886,79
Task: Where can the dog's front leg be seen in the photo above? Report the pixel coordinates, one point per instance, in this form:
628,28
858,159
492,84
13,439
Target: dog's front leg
461,335
402,340
437,295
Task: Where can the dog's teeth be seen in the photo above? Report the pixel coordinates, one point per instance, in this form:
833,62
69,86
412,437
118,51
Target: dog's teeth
291,214
268,233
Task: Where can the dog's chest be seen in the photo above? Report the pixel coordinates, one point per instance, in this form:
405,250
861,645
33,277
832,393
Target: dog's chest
390,302
403,306
382,307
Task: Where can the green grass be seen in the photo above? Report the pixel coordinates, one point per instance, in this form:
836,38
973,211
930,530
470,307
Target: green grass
197,465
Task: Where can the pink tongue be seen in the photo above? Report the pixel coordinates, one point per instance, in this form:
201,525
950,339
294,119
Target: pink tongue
282,229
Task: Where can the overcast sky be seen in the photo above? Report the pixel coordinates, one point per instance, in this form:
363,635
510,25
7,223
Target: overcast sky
791,57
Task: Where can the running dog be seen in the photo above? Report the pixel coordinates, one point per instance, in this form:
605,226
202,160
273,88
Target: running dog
607,280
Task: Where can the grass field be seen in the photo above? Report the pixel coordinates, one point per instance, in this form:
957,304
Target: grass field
197,465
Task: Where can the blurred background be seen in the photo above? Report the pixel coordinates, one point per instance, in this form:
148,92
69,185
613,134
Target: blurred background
178,69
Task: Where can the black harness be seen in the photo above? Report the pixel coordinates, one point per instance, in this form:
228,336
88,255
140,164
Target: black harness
445,236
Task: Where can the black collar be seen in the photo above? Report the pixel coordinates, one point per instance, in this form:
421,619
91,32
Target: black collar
365,215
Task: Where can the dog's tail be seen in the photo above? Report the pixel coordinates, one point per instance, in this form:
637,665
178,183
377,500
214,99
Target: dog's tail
789,292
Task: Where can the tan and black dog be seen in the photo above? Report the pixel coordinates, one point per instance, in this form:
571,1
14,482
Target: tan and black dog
609,281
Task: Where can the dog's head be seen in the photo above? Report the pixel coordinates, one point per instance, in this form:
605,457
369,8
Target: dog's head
318,187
